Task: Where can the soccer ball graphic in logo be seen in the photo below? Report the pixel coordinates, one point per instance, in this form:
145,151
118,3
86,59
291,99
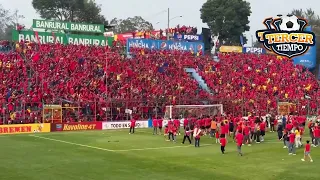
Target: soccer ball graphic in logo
289,23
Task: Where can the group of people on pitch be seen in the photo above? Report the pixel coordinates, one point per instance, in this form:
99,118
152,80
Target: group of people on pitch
245,132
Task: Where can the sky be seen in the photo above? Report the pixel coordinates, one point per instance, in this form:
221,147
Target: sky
156,11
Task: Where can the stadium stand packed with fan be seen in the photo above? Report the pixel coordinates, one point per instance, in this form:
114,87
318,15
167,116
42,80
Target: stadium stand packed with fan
141,103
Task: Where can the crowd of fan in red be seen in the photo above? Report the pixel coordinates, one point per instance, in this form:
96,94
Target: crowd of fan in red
101,82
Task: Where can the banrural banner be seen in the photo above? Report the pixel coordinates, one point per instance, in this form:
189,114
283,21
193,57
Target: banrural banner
61,38
68,26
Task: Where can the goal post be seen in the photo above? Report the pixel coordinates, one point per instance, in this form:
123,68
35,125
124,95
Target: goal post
183,111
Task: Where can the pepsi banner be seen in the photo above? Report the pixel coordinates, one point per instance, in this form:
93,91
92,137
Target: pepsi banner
307,60
165,45
185,37
254,50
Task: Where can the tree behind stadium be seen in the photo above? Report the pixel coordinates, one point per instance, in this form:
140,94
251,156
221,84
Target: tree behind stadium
227,18
86,11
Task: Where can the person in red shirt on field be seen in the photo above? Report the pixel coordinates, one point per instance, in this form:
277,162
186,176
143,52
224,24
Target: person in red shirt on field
289,126
239,140
176,123
132,125
246,132
166,133
155,126
185,123
262,130
217,136
197,135
292,147
202,124
174,131
160,124
223,143
316,135
207,124
187,134
223,128
307,150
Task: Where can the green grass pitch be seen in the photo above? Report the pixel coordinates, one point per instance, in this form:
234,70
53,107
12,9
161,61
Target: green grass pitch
116,155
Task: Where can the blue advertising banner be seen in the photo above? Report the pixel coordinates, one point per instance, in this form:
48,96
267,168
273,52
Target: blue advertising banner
254,50
307,60
165,45
187,37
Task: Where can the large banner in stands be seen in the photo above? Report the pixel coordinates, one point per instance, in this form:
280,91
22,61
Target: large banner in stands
229,49
185,37
68,26
61,38
77,126
307,60
138,35
123,124
165,45
254,50
24,128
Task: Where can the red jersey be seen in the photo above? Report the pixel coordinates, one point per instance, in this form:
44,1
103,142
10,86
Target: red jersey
174,130
239,127
316,132
217,134
202,122
262,126
289,127
208,122
227,127
176,122
239,138
292,136
275,122
166,130
223,129
132,123
223,141
160,122
155,123
185,122
307,148
246,130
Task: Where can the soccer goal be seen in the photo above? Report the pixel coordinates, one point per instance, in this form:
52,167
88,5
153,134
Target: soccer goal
182,111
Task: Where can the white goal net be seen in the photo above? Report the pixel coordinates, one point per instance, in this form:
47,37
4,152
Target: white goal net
183,111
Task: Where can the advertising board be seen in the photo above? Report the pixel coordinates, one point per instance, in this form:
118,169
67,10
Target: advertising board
123,124
77,126
24,128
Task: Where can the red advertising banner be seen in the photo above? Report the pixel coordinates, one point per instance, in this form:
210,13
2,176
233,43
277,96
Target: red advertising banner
126,36
76,126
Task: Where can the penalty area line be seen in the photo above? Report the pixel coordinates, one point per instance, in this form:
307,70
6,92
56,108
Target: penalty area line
71,143
110,150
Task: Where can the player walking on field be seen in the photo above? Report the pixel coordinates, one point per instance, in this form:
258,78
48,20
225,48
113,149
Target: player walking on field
239,139
196,135
307,152
132,125
155,126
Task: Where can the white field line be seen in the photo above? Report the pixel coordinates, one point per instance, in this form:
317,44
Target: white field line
76,144
110,150
169,147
